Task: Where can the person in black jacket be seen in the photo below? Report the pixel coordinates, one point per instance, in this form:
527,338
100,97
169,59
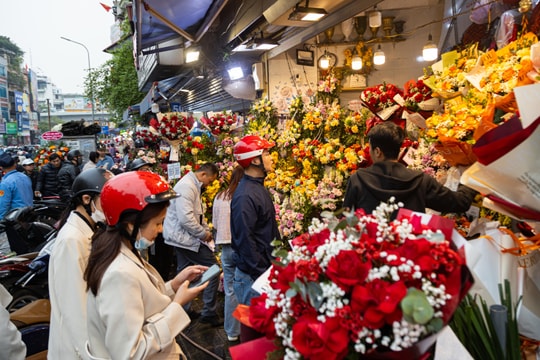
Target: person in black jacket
47,183
387,178
68,172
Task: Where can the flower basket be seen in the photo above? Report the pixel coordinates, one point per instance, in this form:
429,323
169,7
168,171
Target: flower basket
361,287
456,152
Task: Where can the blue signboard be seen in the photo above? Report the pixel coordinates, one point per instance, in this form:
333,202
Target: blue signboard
105,130
175,107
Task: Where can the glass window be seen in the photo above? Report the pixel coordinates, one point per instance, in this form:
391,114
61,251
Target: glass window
3,91
3,71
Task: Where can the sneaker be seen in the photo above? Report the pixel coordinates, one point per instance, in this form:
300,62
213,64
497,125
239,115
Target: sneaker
232,338
212,320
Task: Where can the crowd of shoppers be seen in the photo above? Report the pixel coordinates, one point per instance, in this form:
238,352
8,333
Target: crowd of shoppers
108,301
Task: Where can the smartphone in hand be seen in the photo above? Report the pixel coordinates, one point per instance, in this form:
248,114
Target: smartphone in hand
208,275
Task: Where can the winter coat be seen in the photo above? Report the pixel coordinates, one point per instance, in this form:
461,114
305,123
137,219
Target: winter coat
67,289
47,182
253,226
133,315
67,174
184,224
368,187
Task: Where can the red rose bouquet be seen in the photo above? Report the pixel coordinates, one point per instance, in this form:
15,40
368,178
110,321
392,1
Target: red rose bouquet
382,100
219,123
172,125
362,287
149,138
419,97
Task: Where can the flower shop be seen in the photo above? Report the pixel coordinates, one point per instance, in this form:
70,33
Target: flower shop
351,285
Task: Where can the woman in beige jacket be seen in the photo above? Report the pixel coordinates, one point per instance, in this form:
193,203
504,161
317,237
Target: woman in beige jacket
132,313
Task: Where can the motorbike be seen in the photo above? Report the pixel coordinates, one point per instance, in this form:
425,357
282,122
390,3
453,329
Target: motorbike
33,322
23,231
26,277
49,210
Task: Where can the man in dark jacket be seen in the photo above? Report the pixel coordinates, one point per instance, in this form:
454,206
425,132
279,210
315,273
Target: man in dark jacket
253,217
387,178
68,172
47,183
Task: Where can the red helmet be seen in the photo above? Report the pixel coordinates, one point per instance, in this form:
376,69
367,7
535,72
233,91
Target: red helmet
248,148
133,191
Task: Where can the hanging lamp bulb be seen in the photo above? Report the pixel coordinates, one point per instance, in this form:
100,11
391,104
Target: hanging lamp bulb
375,18
356,62
379,58
430,51
324,62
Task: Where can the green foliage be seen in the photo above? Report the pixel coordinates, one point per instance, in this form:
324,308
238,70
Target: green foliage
473,326
115,82
14,56
416,307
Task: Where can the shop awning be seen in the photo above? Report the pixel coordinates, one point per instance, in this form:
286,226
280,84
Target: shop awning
158,20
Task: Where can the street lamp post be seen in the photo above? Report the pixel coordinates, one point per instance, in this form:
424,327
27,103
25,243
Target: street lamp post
89,68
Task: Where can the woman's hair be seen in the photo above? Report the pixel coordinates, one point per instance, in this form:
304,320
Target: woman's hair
106,243
93,156
388,137
73,203
236,176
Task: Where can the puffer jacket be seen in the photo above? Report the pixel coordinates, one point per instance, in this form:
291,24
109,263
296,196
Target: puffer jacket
47,183
67,174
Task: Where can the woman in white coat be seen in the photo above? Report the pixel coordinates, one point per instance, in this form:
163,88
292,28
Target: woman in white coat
67,289
132,313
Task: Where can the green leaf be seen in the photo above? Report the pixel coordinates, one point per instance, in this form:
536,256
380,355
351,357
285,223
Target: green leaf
416,307
315,294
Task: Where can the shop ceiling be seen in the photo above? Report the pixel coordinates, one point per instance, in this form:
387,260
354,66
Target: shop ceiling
218,26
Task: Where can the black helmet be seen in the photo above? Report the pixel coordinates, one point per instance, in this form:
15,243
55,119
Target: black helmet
137,164
90,181
73,154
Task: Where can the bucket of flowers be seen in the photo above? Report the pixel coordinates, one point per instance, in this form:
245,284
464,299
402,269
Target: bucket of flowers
360,286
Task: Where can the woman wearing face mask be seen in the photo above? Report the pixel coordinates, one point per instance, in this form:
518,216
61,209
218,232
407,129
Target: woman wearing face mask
67,289
132,313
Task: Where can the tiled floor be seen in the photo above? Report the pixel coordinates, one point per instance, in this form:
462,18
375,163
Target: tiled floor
203,342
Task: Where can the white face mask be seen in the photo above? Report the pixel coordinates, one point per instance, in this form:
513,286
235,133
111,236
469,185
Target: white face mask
97,215
142,243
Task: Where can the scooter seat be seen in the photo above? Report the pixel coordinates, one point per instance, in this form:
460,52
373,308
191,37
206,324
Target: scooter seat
38,311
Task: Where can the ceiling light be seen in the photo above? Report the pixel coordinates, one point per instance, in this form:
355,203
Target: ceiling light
306,13
192,55
375,18
379,58
430,51
356,62
263,44
235,73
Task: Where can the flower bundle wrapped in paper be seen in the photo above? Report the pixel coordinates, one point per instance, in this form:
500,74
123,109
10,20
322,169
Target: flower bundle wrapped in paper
219,123
418,98
362,287
381,100
174,127
147,137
